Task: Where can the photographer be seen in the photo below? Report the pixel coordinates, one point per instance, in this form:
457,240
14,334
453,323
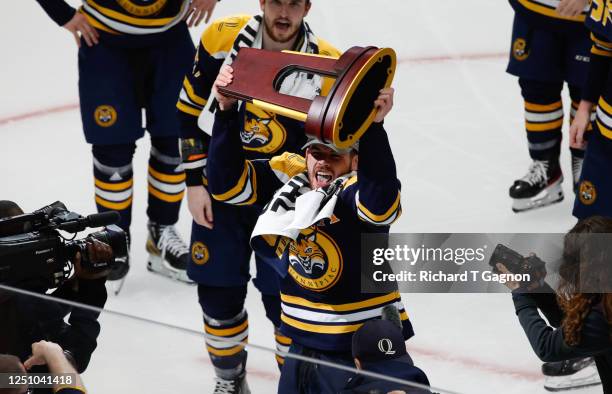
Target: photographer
31,319
582,320
43,353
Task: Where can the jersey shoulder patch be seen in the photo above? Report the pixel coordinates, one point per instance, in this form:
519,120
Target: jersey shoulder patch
287,165
327,49
220,35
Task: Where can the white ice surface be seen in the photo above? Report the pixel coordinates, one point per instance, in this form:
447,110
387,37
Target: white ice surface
457,133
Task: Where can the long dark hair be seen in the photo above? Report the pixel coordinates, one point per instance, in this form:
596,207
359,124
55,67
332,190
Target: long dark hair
586,270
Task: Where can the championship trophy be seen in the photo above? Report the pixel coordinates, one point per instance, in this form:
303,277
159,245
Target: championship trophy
343,115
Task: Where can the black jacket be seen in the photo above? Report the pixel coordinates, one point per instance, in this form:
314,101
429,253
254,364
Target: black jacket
362,384
548,342
31,319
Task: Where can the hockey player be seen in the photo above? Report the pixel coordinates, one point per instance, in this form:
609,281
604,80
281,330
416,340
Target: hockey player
135,56
322,302
595,189
220,248
550,46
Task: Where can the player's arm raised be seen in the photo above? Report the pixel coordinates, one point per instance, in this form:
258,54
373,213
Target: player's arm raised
377,197
233,179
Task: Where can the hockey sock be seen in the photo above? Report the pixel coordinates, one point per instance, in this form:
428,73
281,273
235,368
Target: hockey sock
114,180
272,304
543,118
282,344
225,319
166,181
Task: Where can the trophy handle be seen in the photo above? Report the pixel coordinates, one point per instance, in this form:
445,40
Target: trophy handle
275,66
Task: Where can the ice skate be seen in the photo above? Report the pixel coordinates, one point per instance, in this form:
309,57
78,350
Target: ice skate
570,374
541,186
237,385
168,254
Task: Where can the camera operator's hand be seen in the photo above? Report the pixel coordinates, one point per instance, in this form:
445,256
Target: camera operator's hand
98,251
52,355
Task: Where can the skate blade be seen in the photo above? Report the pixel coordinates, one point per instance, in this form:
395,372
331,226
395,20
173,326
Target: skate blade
584,378
159,266
550,195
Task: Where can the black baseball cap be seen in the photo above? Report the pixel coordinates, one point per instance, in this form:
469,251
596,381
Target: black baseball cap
315,141
379,340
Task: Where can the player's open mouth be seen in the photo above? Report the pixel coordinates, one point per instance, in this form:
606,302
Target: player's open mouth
282,25
324,178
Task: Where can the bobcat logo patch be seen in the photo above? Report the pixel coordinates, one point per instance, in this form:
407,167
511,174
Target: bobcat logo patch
519,49
262,131
315,260
105,115
587,193
199,253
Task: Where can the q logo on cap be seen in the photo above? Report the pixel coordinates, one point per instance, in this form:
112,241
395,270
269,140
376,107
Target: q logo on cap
386,346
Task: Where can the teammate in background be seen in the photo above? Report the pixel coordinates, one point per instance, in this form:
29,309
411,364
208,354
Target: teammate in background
220,235
550,46
135,55
322,302
595,188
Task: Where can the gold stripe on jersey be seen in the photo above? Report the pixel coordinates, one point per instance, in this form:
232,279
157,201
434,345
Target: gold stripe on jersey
118,16
244,192
597,50
191,93
187,109
319,328
118,22
604,118
352,306
547,8
386,218
94,22
604,44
